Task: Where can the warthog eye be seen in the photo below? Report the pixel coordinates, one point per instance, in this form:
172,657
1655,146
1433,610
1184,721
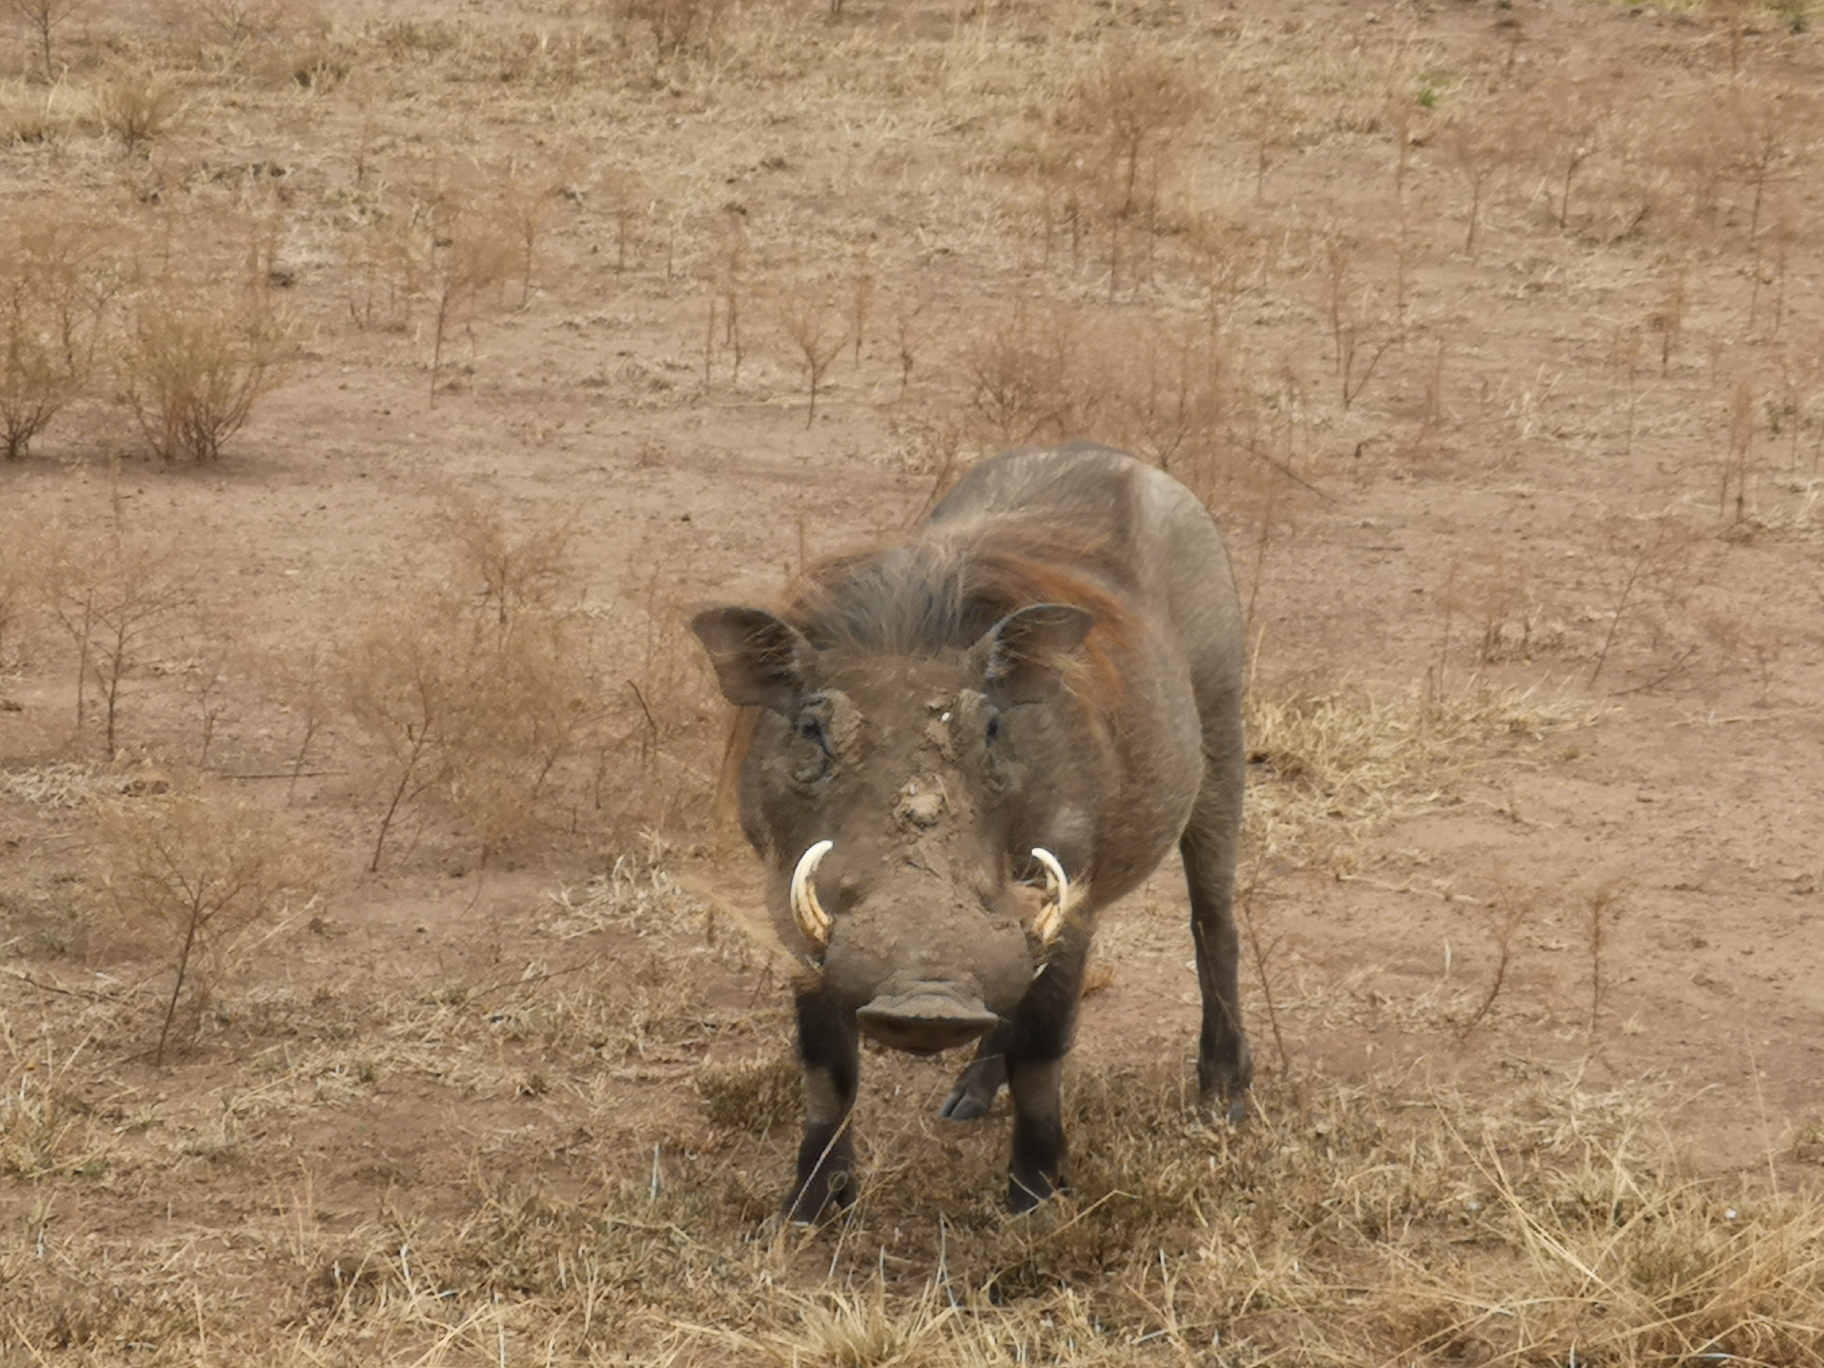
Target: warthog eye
992,728
808,731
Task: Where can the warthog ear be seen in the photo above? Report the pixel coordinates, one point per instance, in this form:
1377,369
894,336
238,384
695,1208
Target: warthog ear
759,659
1021,654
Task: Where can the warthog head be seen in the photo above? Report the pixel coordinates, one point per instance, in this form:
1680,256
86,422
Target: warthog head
918,807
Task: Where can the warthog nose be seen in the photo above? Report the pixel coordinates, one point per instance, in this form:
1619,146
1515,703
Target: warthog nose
926,1018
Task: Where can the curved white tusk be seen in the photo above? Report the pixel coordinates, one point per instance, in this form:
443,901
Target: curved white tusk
1050,920
806,910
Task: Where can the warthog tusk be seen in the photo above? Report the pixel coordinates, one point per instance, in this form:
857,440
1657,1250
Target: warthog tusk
1050,920
806,910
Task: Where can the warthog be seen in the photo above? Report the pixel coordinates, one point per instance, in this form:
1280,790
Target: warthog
963,746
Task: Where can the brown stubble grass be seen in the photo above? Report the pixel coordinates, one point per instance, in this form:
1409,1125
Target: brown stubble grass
1347,1222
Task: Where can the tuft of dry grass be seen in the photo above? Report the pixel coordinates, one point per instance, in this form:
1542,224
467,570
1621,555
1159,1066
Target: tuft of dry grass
46,1131
1330,768
752,1094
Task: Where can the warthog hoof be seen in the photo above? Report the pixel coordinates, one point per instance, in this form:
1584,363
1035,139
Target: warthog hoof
975,1090
1026,1193
1225,1106
820,1197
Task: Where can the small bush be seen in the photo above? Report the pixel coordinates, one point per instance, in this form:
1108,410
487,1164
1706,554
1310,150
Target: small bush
195,363
53,290
117,597
675,25
137,108
471,699
19,560
41,19
198,874
471,248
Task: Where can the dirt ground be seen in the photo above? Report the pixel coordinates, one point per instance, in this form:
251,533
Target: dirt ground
1490,331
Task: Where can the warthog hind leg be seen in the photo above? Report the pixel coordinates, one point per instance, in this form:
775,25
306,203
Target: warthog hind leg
981,1082
1224,1066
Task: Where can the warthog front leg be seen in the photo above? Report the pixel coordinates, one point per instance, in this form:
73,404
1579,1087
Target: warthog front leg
829,1049
1039,1038
1037,1167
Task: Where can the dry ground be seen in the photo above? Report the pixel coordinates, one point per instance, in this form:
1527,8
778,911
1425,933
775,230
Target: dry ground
1490,330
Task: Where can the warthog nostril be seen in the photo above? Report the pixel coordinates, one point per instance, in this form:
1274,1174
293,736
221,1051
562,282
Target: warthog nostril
926,1018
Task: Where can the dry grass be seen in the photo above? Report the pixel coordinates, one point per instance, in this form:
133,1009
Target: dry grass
137,107
73,784
1331,768
1357,1224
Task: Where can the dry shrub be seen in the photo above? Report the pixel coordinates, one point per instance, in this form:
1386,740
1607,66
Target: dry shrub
651,764
119,594
450,245
239,24
529,195
1024,380
1481,146
1168,390
1501,596
1644,571
1116,134
195,361
55,282
384,256
197,874
1363,324
471,250
41,19
137,107
20,566
474,699
811,315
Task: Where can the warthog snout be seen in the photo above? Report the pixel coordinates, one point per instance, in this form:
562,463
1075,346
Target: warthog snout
925,1018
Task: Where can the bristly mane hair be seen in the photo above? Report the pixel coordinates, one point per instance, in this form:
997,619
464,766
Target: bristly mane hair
942,592
939,593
